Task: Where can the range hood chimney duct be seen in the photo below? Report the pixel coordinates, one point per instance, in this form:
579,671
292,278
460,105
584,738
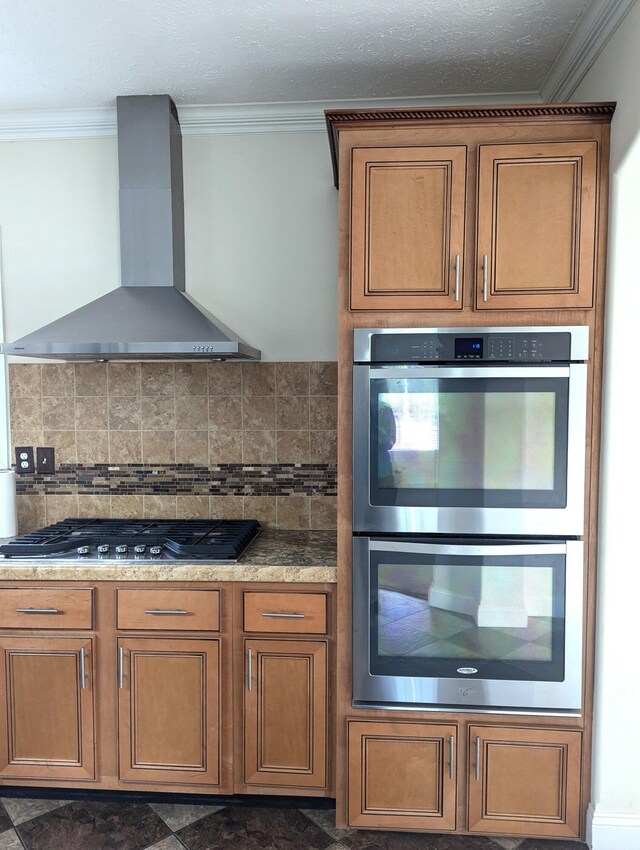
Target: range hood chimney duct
150,316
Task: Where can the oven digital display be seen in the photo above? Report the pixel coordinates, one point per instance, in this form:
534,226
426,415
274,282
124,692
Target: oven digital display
468,348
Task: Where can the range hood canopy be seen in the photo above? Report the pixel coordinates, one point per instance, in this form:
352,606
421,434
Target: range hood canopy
150,316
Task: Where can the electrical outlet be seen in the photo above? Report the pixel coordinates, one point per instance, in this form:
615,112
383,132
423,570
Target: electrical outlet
24,460
45,461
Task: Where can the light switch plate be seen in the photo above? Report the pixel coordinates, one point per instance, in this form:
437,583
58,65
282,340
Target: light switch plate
45,460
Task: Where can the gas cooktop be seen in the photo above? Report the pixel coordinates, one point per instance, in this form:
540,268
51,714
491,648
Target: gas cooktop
138,539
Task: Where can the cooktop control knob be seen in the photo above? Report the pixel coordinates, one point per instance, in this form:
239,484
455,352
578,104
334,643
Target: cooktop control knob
139,549
82,550
103,548
155,550
121,550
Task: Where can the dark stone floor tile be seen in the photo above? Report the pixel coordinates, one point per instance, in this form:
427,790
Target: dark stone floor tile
551,844
5,820
366,840
95,826
240,828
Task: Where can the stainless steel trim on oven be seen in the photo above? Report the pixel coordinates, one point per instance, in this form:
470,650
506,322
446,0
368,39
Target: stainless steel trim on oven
407,691
566,521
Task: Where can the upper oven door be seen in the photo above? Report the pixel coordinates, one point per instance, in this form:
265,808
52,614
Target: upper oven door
469,450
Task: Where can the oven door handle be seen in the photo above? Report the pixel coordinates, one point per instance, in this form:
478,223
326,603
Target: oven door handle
559,548
411,372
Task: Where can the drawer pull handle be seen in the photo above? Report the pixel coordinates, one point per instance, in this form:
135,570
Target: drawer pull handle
38,611
249,670
82,670
287,616
477,773
121,668
165,611
452,755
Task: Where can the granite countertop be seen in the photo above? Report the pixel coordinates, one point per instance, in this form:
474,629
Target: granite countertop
276,555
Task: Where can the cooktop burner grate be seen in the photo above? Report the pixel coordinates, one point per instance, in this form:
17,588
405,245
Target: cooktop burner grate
220,540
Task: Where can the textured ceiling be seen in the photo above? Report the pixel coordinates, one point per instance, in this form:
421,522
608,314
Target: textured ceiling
82,53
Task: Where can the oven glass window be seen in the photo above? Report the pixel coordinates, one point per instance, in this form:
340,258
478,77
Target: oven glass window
437,615
496,442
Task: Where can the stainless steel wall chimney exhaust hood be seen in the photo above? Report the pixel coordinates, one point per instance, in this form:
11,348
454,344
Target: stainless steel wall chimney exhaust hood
150,316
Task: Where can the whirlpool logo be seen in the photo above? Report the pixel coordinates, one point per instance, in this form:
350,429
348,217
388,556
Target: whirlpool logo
466,692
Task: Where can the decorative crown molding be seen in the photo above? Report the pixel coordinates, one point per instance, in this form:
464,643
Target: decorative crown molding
225,119
589,36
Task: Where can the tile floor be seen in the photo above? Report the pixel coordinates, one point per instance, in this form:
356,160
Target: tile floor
27,824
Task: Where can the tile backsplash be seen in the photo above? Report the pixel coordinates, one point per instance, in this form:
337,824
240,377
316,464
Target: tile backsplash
188,440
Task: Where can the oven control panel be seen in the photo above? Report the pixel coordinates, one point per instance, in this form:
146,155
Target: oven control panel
503,346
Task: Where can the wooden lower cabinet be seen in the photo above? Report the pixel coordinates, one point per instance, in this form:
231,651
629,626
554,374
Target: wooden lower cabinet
168,710
285,713
47,708
524,781
402,775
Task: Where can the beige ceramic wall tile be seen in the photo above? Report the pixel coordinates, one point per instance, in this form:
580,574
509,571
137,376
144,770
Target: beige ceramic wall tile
225,412
224,379
58,508
159,507
225,447
31,512
322,447
258,413
192,507
292,413
158,446
91,413
91,378
123,379
293,512
26,413
158,413
225,507
125,447
127,507
292,379
323,412
323,512
293,447
92,447
258,379
262,508
192,412
94,506
259,447
124,414
191,379
64,445
323,378
157,379
192,447
25,438
25,380
58,379
58,413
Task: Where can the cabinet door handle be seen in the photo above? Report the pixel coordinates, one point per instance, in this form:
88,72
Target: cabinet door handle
457,292
249,676
37,611
452,755
477,759
485,260
165,611
82,670
120,668
286,616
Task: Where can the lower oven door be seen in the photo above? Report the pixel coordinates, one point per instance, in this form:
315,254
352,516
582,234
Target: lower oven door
489,623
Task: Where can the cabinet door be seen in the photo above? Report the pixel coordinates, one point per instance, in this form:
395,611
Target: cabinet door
285,739
47,708
402,775
407,228
536,225
524,781
169,710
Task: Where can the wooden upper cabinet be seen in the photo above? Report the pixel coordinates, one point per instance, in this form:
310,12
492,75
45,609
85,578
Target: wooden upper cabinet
524,781
536,225
47,708
407,227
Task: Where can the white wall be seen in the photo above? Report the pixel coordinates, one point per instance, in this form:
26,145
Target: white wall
616,776
261,233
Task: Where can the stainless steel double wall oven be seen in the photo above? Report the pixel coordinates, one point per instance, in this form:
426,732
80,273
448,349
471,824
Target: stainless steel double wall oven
468,494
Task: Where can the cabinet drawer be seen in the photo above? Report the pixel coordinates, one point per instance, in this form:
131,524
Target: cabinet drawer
297,613
46,608
177,610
